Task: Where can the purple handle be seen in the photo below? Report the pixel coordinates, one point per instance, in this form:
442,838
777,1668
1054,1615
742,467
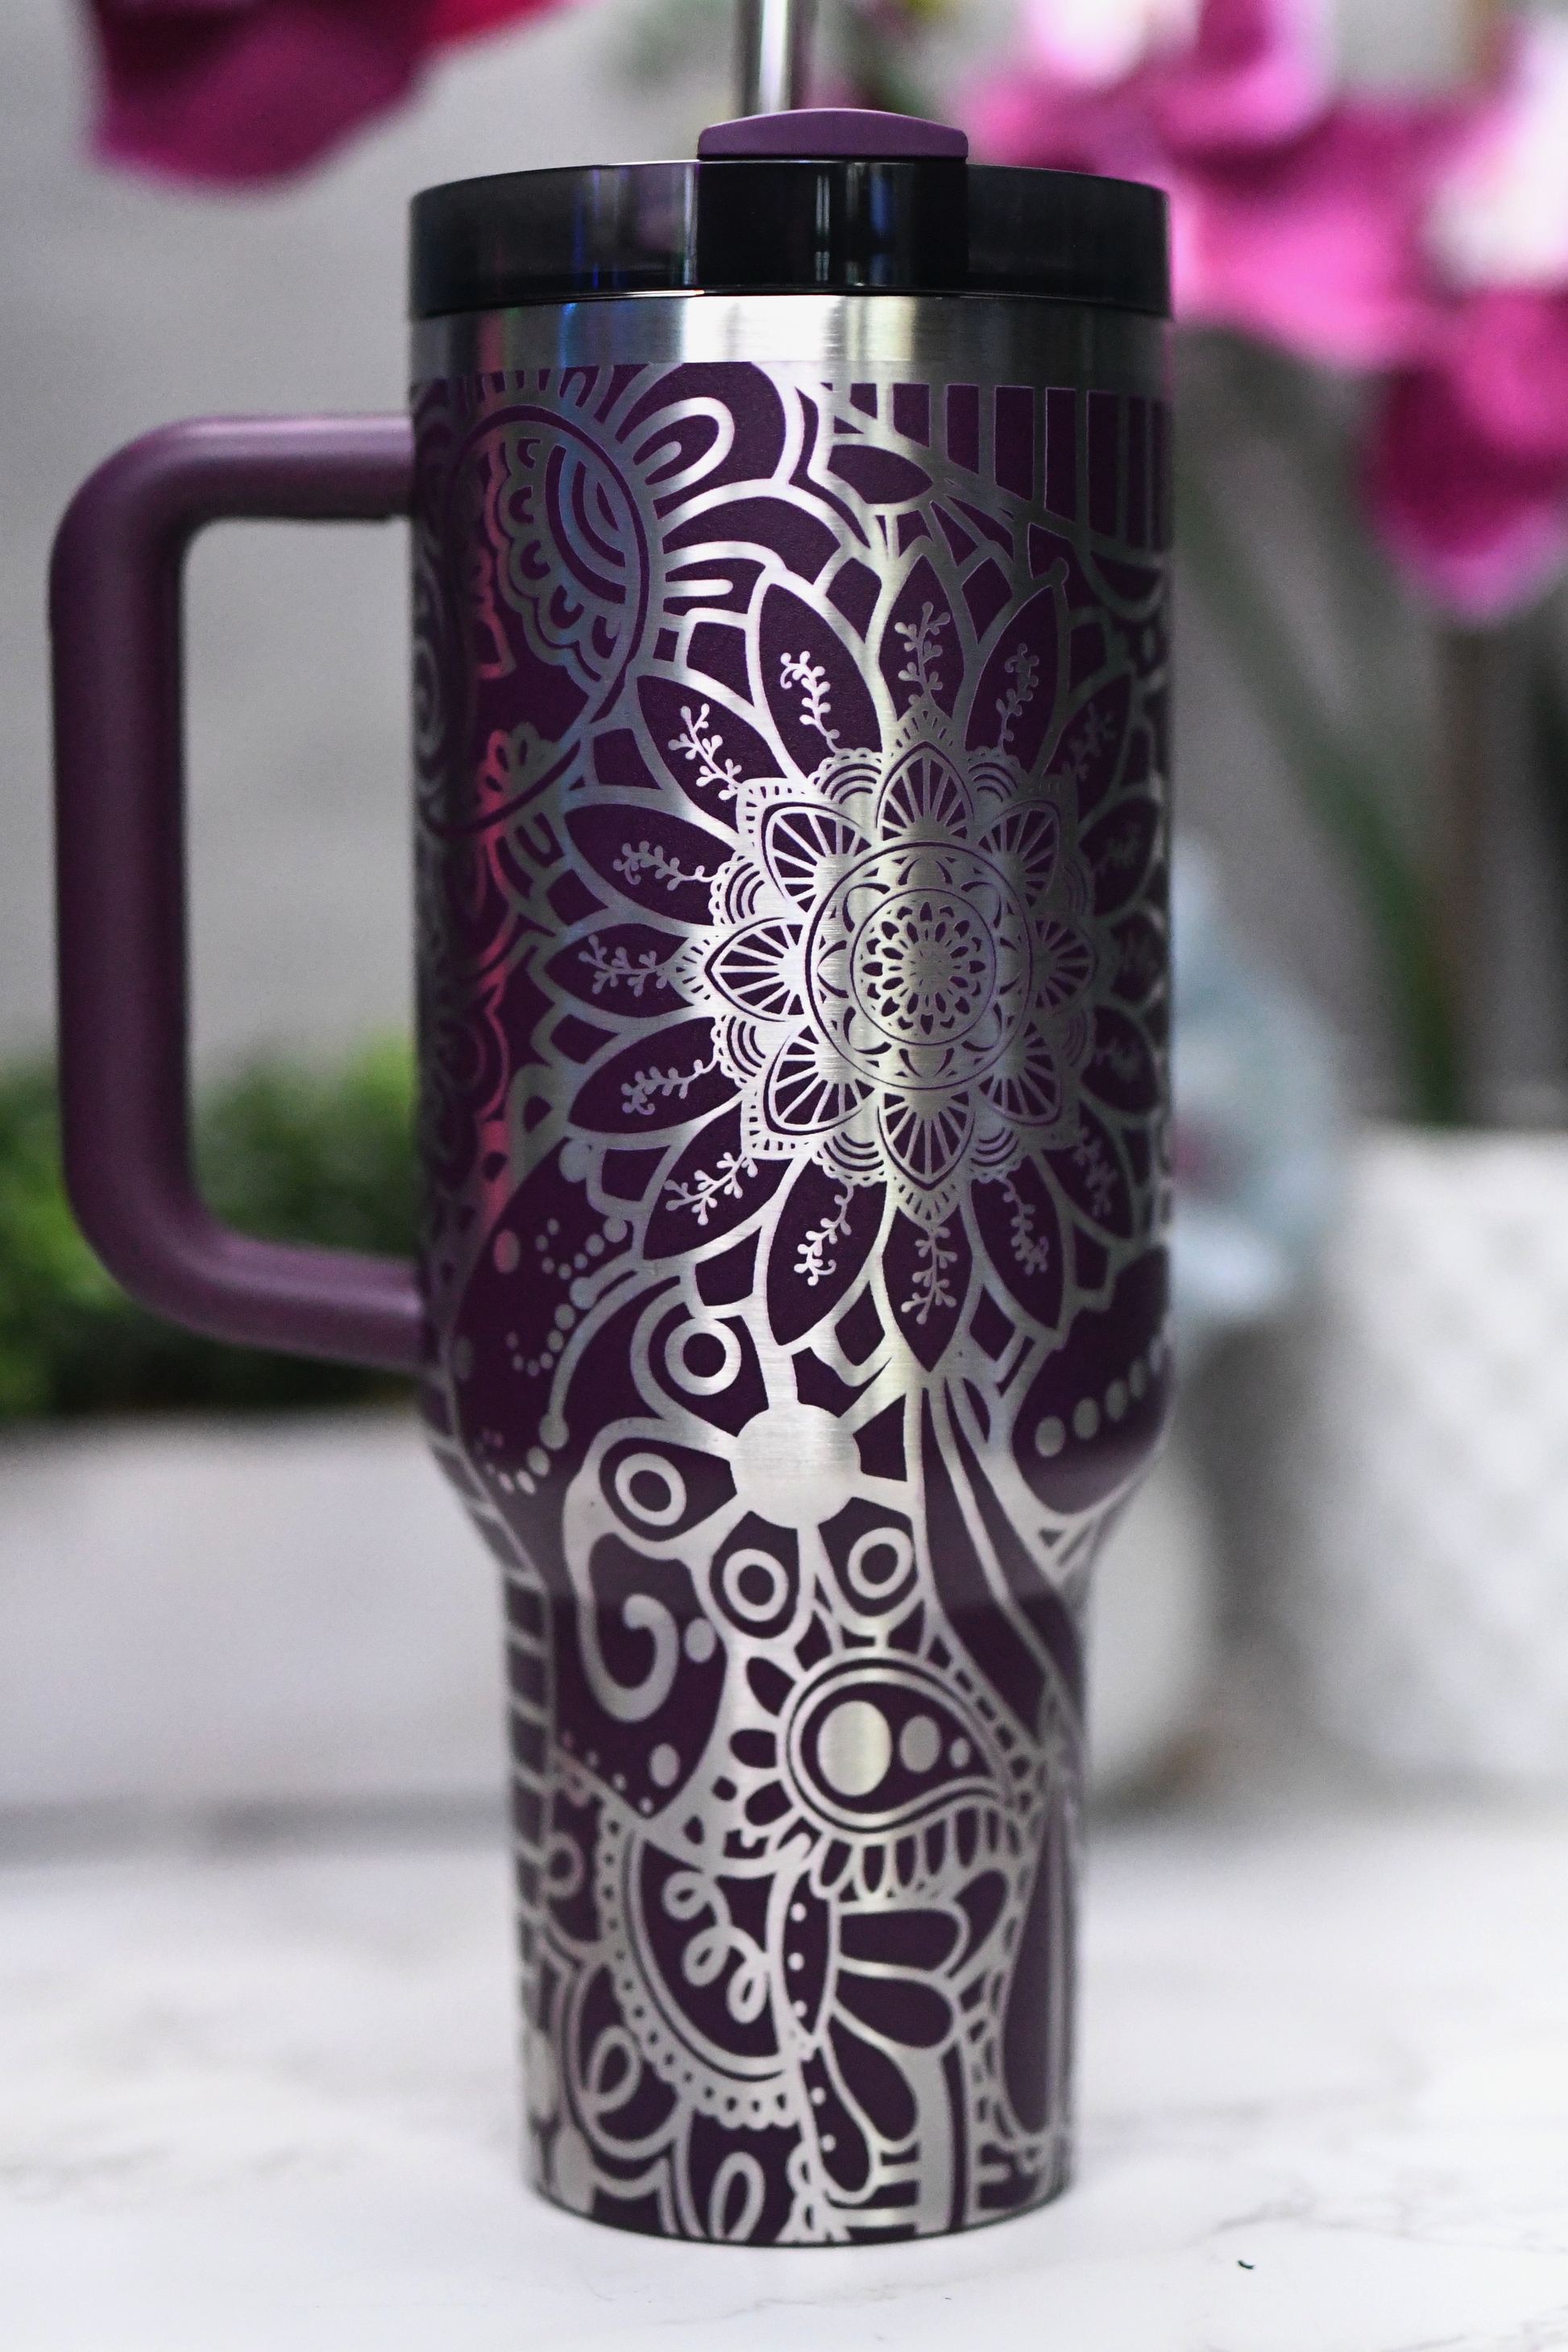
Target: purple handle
115,615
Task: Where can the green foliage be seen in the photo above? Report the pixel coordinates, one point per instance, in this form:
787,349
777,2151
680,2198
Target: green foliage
284,1152
49,1279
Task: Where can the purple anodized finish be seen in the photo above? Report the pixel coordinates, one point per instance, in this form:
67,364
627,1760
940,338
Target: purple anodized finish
791,764
114,614
790,715
808,131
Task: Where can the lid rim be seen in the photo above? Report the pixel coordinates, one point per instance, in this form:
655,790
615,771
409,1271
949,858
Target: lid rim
836,225
974,291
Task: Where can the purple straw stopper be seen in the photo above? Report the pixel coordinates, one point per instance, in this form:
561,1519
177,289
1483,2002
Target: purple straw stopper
808,132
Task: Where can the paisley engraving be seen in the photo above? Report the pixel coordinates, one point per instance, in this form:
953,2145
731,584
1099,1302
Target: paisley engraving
793,836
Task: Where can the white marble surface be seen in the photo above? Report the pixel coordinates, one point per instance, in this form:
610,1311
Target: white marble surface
266,2100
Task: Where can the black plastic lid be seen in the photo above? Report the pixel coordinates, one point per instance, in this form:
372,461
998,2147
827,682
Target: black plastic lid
797,225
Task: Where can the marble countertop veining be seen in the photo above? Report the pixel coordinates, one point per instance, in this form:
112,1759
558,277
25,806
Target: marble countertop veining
264,2101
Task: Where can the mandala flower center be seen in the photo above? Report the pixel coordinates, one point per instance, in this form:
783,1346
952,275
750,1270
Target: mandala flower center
918,966
923,967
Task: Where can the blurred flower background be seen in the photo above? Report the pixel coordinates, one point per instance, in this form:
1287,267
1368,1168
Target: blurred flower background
240,91
1370,213
1414,243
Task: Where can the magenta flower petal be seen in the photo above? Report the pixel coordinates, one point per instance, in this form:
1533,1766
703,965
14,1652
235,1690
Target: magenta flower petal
1023,116
459,20
1256,74
248,92
242,91
1315,245
1480,530
1508,368
1260,71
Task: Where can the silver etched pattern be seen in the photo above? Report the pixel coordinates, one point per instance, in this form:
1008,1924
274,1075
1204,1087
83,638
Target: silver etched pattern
792,967
887,987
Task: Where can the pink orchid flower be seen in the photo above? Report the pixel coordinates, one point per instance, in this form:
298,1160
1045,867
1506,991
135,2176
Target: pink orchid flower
241,91
1480,529
1424,241
1313,246
1255,73
1294,217
1203,73
1467,467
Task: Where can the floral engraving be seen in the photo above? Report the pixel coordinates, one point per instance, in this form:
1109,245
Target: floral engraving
791,866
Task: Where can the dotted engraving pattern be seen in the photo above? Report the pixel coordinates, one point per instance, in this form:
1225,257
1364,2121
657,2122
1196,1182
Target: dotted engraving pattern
792,861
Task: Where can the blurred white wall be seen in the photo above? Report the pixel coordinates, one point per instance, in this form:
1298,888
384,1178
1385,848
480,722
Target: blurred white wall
123,303
1406,42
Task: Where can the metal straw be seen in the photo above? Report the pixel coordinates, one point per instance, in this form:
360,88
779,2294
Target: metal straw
773,54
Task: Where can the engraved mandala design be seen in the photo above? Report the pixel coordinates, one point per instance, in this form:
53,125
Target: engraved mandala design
893,981
792,851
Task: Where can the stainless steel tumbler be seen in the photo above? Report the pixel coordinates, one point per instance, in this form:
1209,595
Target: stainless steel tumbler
791,701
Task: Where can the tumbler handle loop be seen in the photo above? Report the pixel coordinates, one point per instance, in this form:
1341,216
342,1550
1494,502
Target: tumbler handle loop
115,619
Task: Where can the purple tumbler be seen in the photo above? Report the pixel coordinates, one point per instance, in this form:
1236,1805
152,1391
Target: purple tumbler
791,704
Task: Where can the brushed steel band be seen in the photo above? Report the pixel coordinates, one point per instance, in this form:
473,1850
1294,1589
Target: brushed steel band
996,338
